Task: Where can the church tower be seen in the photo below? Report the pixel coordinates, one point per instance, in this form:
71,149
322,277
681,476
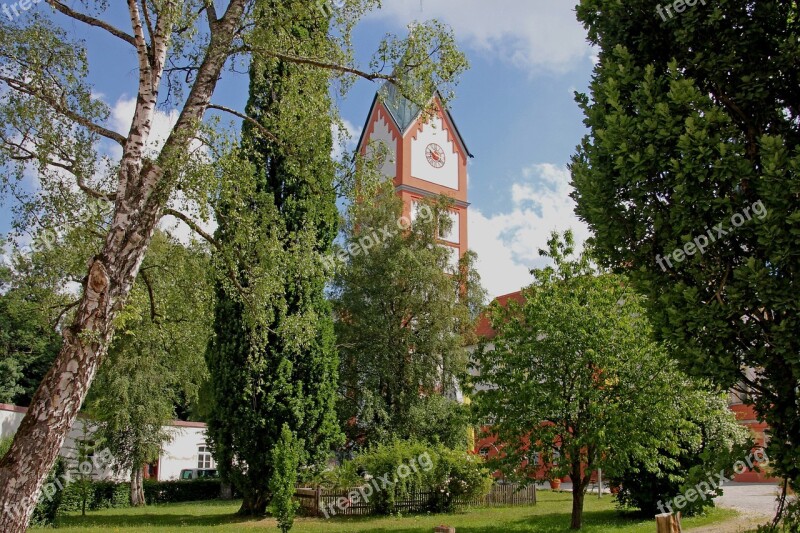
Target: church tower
426,157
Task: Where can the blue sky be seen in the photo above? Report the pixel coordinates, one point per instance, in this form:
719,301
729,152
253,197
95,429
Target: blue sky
514,108
516,111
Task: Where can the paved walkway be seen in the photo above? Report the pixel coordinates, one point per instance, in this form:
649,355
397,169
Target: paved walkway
753,498
757,503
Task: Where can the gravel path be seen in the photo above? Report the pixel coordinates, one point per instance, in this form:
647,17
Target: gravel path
755,501
741,524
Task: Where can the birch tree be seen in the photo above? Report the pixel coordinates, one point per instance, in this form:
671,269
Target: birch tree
55,126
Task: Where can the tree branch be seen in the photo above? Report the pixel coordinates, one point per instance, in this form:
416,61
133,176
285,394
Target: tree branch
153,313
28,89
63,312
192,225
211,12
91,21
371,76
147,21
142,50
271,136
94,193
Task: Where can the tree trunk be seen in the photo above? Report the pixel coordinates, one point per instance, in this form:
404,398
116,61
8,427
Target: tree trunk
137,488
577,506
578,494
668,523
225,491
141,195
254,504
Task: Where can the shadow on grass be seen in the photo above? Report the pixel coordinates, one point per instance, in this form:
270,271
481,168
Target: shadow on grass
159,516
547,522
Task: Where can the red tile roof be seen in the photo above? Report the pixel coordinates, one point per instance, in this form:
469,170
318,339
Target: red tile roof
484,329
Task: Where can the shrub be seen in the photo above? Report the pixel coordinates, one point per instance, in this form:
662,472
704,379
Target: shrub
412,467
286,459
98,494
708,440
342,477
113,495
461,476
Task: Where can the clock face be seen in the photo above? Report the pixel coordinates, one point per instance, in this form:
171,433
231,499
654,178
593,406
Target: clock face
435,155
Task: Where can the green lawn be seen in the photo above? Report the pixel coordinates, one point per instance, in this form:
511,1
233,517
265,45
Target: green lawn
550,515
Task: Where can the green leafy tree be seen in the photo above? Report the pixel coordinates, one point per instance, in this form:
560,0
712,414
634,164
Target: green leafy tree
708,438
405,317
274,368
574,376
156,362
49,101
28,338
286,458
693,131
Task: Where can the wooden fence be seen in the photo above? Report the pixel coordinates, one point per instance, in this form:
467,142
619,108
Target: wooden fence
315,501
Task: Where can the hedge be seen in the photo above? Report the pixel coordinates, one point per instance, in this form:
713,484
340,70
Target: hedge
182,491
108,494
100,495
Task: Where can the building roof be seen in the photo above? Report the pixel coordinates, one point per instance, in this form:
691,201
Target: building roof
404,112
173,423
484,328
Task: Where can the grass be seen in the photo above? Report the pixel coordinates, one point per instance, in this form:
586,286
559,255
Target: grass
550,515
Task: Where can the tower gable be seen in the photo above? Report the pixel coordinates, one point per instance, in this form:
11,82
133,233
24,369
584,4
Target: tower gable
380,134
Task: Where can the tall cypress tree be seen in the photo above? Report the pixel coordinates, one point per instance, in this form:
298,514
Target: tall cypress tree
273,361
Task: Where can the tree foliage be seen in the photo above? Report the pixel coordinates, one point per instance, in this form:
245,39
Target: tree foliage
155,363
708,440
273,360
693,121
404,319
28,337
574,377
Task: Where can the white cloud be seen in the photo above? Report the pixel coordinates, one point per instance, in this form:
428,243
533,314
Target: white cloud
537,35
507,243
344,140
121,116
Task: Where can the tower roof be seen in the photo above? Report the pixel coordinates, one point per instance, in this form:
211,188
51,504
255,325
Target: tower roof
404,112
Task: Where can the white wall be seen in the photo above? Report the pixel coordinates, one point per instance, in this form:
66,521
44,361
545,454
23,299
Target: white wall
11,417
434,133
382,142
181,452
9,422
